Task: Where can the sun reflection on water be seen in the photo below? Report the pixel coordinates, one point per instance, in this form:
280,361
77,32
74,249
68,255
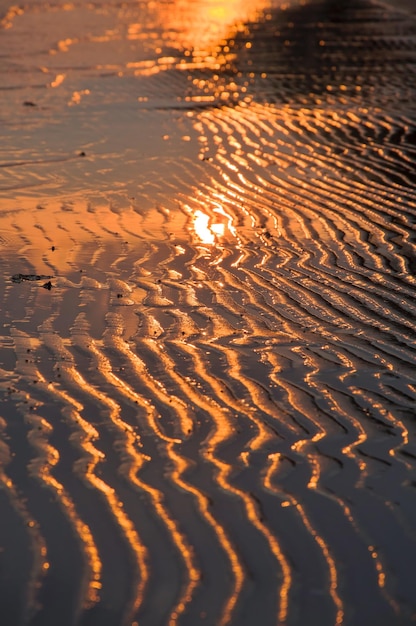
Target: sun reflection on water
211,230
202,25
207,232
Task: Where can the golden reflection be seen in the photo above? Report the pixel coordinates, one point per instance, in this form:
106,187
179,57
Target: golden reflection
223,431
58,80
77,96
290,500
87,467
7,20
36,539
135,460
210,229
207,232
87,464
221,413
41,467
205,25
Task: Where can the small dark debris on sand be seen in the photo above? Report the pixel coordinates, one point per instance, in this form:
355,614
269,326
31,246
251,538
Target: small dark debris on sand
20,278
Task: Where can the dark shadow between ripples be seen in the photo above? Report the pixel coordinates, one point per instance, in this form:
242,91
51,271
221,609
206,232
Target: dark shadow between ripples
332,49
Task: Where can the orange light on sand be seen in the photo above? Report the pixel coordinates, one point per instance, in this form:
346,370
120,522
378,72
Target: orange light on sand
203,229
209,231
203,24
221,211
59,79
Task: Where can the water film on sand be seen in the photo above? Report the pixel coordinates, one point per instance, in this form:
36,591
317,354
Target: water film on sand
208,298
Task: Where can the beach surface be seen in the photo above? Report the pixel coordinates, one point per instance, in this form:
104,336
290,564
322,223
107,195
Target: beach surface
208,313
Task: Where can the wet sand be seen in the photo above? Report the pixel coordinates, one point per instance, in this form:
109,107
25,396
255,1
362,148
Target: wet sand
208,355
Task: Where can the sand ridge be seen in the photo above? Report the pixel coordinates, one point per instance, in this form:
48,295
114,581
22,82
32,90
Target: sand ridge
207,415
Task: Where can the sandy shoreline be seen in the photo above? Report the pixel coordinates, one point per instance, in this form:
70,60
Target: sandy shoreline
208,347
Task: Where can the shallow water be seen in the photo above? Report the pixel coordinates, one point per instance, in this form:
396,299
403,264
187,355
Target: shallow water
208,350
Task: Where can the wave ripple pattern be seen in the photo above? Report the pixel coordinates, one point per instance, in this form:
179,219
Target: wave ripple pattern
208,304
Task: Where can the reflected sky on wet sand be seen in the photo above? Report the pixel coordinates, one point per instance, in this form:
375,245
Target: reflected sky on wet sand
207,357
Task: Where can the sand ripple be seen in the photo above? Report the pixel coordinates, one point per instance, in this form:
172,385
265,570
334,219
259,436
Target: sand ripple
208,413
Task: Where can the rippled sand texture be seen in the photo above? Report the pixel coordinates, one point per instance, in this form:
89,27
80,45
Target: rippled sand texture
208,356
